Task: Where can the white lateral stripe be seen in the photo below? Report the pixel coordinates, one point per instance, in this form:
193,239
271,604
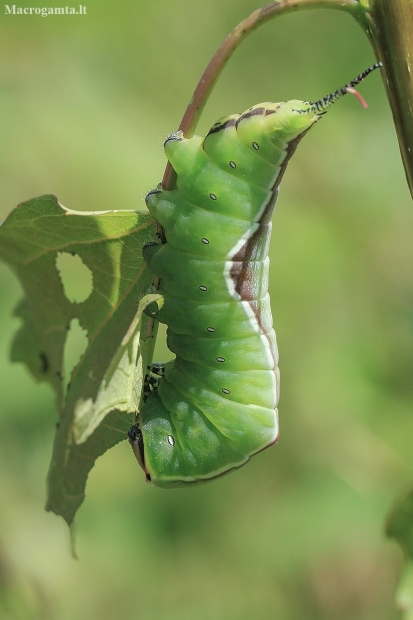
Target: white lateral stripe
228,264
230,282
239,244
276,425
265,205
270,358
251,316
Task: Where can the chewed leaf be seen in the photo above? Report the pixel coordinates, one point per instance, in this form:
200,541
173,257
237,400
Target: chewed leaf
121,386
50,248
76,278
143,304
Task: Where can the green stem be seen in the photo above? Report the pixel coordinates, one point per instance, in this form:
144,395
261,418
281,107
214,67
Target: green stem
389,25
230,44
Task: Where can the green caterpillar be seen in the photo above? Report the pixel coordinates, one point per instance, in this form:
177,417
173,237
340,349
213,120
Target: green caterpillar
215,405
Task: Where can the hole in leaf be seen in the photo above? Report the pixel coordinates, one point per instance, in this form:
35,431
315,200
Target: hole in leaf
76,277
162,353
75,346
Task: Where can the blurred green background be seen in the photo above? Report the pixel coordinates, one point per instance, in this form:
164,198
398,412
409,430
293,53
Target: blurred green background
86,102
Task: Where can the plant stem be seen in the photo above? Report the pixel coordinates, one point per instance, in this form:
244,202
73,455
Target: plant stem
230,44
389,25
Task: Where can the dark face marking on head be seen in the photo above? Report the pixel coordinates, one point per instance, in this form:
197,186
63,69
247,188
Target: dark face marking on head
133,434
158,368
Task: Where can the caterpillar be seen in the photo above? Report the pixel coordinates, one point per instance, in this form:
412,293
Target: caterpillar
215,405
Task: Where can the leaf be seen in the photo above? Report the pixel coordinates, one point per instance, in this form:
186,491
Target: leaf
400,524
106,383
404,594
119,384
400,527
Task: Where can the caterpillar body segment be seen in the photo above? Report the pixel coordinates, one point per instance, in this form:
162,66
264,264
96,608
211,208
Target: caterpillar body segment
216,404
218,399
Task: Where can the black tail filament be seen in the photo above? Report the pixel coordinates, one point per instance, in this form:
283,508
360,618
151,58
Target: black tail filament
325,102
